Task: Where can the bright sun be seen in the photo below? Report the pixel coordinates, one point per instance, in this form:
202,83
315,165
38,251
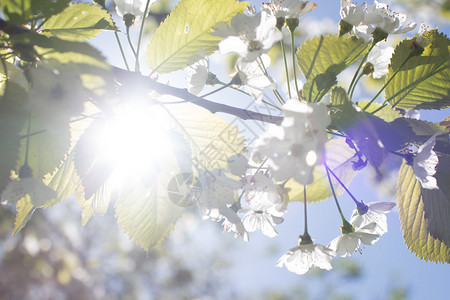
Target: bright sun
135,139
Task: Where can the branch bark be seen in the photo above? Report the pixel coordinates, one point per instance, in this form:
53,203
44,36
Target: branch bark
124,76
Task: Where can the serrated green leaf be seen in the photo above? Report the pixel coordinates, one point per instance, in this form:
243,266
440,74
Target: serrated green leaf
23,11
79,21
317,87
187,30
424,217
146,214
322,58
339,158
64,181
47,8
54,48
339,97
424,81
13,116
24,212
330,53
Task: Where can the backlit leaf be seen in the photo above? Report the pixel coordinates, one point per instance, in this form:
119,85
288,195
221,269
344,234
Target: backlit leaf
24,212
13,116
79,21
424,217
424,81
322,58
187,30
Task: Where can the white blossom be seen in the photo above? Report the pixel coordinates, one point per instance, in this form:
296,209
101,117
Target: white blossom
374,212
302,258
197,75
347,243
425,162
378,14
216,200
260,220
249,36
351,13
380,59
132,7
18,188
295,147
365,19
290,9
254,78
265,201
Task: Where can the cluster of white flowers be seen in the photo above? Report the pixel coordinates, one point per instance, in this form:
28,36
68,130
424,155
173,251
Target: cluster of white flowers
251,35
295,147
367,18
265,203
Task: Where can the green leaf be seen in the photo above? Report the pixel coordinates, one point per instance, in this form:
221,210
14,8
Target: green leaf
187,30
317,87
17,11
339,97
386,113
423,82
47,147
64,181
147,214
79,21
424,217
339,157
13,116
23,11
322,58
419,131
56,48
47,8
24,212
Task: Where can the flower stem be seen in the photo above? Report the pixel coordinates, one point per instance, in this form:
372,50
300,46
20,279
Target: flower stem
217,90
130,43
121,50
353,88
352,83
286,68
293,63
334,194
386,84
136,67
306,212
342,184
263,101
27,145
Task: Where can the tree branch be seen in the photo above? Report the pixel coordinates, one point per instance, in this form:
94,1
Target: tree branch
124,76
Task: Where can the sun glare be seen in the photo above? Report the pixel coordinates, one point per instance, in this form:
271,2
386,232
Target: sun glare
135,139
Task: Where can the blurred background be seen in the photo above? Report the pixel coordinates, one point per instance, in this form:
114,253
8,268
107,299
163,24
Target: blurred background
54,257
